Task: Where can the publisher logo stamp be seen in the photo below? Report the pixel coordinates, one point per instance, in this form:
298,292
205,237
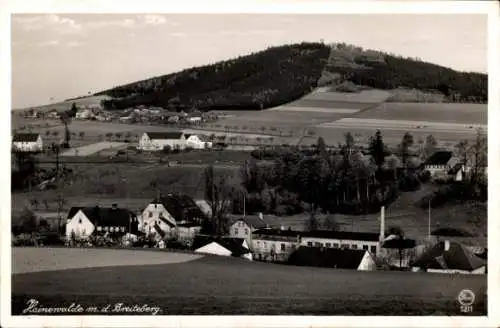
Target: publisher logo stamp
466,298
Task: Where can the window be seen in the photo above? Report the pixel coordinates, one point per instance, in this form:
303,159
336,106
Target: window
145,223
335,245
246,231
235,231
354,246
317,244
309,243
373,249
365,247
150,214
265,245
328,245
344,246
282,247
123,229
79,221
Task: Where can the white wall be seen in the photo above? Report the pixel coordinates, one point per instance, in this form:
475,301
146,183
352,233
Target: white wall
359,243
145,143
367,263
150,215
80,225
263,247
29,146
187,233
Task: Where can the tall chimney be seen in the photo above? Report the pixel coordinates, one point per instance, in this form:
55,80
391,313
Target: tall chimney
382,224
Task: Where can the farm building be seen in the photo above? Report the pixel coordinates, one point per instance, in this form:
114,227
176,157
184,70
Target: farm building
198,141
187,231
84,114
440,163
82,222
164,214
274,244
27,142
156,141
342,239
196,119
450,257
222,246
244,227
355,259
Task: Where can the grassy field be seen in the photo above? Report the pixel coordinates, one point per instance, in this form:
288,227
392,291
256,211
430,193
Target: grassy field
444,112
216,285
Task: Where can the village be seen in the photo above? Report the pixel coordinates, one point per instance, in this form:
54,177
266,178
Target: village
175,222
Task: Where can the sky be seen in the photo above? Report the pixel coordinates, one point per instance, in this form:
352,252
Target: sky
58,56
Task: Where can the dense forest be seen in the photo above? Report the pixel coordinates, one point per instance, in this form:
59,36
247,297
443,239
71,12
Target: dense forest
268,78
282,74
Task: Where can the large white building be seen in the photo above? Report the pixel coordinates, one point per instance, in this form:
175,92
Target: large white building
245,226
198,141
157,141
274,244
27,142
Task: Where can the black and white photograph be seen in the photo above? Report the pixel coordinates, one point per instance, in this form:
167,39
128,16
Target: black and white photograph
280,163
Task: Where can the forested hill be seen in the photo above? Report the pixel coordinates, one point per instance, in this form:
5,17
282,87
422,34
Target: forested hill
282,74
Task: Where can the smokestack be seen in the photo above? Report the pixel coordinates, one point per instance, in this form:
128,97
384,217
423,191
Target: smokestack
382,224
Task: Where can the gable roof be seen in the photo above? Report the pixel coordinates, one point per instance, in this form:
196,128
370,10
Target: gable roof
181,207
454,170
255,222
25,137
342,235
440,157
102,216
234,245
165,135
327,257
456,258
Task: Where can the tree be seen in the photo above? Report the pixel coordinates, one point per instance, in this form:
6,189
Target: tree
480,157
312,222
118,135
330,224
378,150
218,193
81,134
321,147
28,220
55,133
404,148
430,146
463,150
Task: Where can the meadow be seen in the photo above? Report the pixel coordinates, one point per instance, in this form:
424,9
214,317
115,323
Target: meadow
218,285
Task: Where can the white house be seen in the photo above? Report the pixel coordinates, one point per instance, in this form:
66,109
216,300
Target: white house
244,227
187,231
83,222
163,215
156,141
440,163
356,259
84,114
27,142
196,119
274,244
198,141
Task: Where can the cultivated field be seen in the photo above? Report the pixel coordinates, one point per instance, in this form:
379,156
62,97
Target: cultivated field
94,148
364,96
216,285
90,101
27,260
442,113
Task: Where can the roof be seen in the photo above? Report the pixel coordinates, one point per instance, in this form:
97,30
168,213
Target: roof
25,137
167,222
104,216
440,157
181,207
255,222
188,225
327,257
342,235
234,245
277,232
456,258
164,135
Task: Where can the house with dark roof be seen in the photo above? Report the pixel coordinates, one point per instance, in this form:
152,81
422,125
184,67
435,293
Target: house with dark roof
368,241
355,259
83,222
169,211
157,141
274,245
449,257
27,142
222,246
440,163
244,227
